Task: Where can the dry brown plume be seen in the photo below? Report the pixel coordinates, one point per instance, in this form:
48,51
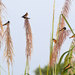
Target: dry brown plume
65,11
63,34
29,45
62,37
8,51
2,9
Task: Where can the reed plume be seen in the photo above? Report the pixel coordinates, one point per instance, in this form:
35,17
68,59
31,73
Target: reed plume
58,44
8,51
62,35
65,11
29,45
2,9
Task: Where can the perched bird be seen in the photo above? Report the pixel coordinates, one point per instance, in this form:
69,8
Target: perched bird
54,40
67,66
64,28
6,23
25,16
72,36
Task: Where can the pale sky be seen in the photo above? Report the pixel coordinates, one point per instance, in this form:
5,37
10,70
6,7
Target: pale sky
40,12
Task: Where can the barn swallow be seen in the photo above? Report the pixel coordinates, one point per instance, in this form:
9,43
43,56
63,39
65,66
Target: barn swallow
54,40
67,66
6,23
25,14
64,28
72,36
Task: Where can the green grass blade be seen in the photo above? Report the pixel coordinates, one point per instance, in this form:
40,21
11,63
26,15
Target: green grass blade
58,66
51,39
2,68
66,60
67,23
58,28
25,71
64,71
40,70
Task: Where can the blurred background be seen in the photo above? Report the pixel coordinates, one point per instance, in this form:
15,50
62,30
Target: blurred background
40,12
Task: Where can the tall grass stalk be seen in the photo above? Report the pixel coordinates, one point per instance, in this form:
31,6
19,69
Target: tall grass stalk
8,69
53,70
25,71
51,39
29,45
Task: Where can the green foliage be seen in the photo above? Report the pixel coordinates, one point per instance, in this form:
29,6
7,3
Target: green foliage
58,66
44,70
40,70
47,69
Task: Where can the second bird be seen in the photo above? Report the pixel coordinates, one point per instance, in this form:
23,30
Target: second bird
6,23
25,16
72,36
54,40
64,28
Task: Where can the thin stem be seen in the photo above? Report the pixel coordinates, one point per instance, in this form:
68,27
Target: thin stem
8,70
67,23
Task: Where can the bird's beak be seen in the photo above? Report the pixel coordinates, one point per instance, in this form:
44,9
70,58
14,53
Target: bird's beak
22,17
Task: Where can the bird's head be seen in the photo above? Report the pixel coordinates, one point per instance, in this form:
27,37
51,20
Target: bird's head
8,21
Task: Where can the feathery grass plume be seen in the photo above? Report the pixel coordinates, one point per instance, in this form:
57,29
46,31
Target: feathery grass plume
58,45
65,11
29,45
2,9
61,36
8,51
